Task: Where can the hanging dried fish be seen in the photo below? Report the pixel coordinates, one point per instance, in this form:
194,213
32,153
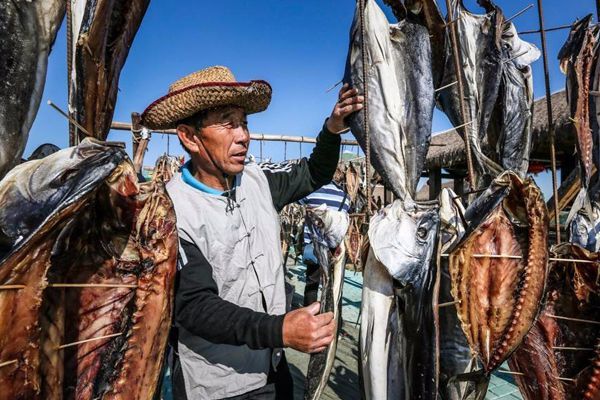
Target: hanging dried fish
400,96
499,298
497,89
39,199
557,348
576,61
102,33
454,352
104,257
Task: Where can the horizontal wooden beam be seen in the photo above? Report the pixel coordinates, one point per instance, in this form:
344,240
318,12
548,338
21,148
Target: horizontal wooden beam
123,126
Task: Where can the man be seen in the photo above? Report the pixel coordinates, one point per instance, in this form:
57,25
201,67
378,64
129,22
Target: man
230,300
336,199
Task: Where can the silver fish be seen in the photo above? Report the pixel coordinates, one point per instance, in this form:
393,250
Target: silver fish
397,294
27,33
494,70
327,230
400,95
584,230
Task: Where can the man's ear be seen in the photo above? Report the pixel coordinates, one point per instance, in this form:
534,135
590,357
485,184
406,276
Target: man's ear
186,134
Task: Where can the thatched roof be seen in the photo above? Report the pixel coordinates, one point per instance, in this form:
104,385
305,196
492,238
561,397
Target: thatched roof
447,150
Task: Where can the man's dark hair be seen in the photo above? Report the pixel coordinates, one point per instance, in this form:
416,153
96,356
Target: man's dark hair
194,121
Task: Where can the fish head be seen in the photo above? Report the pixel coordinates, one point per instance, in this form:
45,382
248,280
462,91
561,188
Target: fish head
327,229
38,188
574,41
403,237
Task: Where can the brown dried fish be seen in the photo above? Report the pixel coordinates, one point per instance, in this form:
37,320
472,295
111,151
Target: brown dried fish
115,244
38,199
499,297
548,351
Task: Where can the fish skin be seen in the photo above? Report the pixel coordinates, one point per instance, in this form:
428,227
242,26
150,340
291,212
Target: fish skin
403,240
577,62
400,96
482,74
500,297
103,32
573,291
42,197
379,336
516,102
584,229
28,29
327,229
454,353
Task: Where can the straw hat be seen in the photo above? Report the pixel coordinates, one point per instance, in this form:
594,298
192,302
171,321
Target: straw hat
207,88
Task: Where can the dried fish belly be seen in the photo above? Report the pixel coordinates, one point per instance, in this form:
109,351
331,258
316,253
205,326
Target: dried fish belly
101,279
558,358
499,270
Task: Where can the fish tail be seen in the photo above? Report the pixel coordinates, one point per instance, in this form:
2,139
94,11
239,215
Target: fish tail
477,384
581,202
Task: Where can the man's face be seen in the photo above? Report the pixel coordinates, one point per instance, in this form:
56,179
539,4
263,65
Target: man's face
224,135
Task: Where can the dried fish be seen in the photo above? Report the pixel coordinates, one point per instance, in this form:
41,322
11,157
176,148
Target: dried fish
398,326
576,60
497,89
454,352
27,32
38,199
102,33
328,228
499,298
400,95
91,224
555,348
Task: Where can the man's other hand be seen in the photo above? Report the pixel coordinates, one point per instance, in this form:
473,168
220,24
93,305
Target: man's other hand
306,331
348,102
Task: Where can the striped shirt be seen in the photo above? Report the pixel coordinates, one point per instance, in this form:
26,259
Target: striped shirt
330,194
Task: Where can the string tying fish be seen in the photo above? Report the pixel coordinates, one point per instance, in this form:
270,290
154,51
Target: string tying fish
62,346
509,256
503,371
523,11
445,87
7,363
71,120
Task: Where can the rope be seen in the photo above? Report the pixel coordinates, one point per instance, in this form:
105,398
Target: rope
361,5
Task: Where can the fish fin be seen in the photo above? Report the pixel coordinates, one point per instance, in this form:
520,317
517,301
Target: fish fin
477,384
582,201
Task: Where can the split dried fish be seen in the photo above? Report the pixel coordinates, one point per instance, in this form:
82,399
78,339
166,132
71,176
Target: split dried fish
102,33
499,298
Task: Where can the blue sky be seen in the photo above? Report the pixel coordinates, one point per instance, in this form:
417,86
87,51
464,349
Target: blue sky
298,46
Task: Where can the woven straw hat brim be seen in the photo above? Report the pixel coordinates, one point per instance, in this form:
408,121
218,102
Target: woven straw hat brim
167,111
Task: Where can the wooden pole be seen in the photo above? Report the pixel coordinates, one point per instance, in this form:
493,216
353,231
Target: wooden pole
550,120
144,138
461,91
